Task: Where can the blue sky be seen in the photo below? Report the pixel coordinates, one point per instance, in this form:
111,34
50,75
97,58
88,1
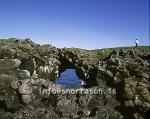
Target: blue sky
86,24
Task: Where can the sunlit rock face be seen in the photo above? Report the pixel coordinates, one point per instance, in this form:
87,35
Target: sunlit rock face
9,64
50,70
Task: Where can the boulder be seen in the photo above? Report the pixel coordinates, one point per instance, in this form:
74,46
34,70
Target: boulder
9,64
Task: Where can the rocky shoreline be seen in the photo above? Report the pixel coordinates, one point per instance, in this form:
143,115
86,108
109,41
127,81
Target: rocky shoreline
26,67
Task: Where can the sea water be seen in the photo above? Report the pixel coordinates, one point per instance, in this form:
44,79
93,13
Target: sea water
69,79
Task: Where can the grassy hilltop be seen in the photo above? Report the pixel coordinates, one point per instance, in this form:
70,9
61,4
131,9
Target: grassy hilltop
95,51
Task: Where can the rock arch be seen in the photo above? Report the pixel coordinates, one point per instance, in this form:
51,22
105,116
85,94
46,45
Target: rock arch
81,61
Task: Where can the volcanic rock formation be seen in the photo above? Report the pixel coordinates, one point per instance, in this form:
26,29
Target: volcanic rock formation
28,71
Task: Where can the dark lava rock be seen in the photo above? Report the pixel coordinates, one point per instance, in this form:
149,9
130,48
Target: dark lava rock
128,74
27,91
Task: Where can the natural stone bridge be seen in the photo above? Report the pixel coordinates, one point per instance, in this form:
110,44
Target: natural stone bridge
25,67
48,62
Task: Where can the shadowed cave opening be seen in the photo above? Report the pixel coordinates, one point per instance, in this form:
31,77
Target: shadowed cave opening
69,79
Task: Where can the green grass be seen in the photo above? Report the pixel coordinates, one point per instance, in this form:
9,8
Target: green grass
93,52
129,47
3,40
124,48
109,50
10,40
